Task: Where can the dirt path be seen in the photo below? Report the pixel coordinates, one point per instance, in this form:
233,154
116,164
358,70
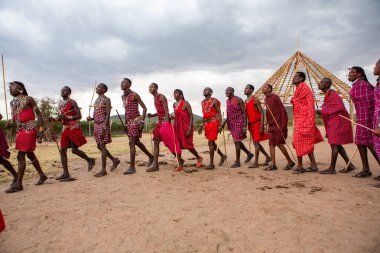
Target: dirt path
225,210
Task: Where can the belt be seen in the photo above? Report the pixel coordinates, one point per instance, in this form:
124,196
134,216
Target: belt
209,119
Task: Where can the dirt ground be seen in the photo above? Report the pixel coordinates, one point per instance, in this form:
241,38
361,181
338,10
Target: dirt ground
224,210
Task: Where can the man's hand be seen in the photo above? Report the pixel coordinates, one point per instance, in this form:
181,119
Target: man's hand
188,132
149,115
377,131
200,130
318,111
89,118
261,129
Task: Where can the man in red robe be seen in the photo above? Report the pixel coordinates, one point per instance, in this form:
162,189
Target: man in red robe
163,130
277,120
72,135
134,123
184,128
102,128
24,109
306,133
338,129
255,117
212,124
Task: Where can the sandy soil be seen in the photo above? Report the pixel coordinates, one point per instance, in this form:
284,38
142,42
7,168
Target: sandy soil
225,210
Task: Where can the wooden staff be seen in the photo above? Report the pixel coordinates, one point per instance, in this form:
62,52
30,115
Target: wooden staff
250,140
224,139
357,123
278,126
5,100
150,134
352,157
89,110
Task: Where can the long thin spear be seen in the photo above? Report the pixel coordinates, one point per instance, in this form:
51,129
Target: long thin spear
5,99
89,110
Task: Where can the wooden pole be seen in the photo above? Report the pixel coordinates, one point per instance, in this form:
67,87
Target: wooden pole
352,157
5,101
224,140
357,124
150,135
89,110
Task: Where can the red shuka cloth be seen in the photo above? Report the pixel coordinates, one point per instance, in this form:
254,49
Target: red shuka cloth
338,129
209,112
71,129
276,133
2,223
26,139
254,121
306,133
181,125
167,136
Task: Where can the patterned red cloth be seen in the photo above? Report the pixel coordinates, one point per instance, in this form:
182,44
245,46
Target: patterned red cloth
362,95
26,134
254,121
167,136
306,134
235,119
132,114
338,129
211,125
102,132
376,140
4,146
160,117
2,223
71,130
274,104
181,124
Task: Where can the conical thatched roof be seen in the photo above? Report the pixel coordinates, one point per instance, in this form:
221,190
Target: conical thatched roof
281,80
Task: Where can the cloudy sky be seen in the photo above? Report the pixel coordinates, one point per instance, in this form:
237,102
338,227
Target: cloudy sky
187,44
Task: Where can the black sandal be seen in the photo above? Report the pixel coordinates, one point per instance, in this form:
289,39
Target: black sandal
289,166
41,180
271,167
311,169
363,174
116,162
299,170
13,189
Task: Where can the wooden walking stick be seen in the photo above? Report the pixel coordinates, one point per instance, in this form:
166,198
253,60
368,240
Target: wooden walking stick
150,134
224,139
352,157
89,110
281,132
5,100
357,123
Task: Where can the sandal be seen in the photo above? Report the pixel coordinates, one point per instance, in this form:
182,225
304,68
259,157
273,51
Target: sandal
328,171
222,160
267,161
101,173
376,185
13,189
41,180
298,170
210,167
271,167
349,169
255,165
235,165
249,158
91,163
289,166
178,169
116,162
377,178
311,169
363,174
